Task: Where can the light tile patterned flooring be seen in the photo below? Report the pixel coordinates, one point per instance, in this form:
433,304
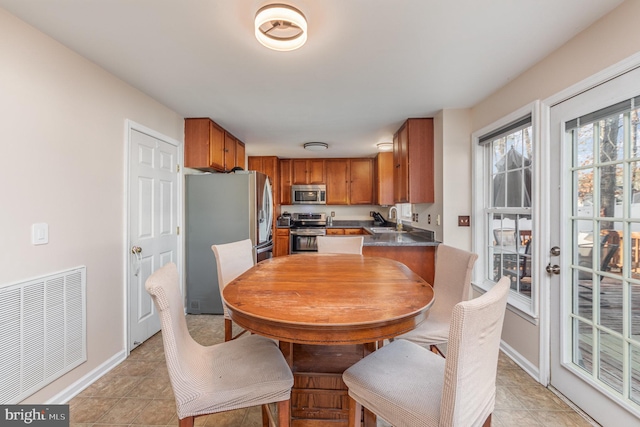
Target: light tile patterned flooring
137,393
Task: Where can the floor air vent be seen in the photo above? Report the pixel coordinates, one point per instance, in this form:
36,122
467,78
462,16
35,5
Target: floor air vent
42,331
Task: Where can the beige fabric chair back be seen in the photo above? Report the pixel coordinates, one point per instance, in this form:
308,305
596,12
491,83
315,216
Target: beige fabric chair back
408,385
246,372
232,259
340,244
452,281
468,395
452,284
179,348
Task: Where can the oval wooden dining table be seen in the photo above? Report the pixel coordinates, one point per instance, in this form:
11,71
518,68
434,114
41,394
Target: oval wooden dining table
327,311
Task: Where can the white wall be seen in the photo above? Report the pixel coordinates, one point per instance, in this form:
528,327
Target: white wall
601,45
456,166
63,163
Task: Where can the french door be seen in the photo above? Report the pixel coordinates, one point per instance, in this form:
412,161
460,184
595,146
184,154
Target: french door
595,227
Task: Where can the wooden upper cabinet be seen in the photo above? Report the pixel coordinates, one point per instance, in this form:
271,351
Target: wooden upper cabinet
360,181
285,181
349,181
229,151
208,147
268,165
240,154
338,177
383,172
307,171
203,145
413,162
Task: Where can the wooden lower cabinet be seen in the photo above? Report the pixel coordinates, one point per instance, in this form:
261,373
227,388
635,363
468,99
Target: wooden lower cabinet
345,231
319,396
281,242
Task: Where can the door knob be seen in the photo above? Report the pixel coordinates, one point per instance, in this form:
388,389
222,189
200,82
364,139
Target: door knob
553,269
136,249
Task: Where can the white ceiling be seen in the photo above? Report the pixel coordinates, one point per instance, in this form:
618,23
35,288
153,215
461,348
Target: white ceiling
367,65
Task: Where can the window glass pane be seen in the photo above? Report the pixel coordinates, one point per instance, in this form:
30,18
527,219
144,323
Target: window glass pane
583,295
635,132
634,168
585,145
635,374
611,184
583,345
584,241
512,170
611,304
611,138
584,201
634,247
611,360
635,312
610,259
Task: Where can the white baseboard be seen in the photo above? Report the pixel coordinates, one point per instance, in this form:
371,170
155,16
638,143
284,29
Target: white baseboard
527,366
74,389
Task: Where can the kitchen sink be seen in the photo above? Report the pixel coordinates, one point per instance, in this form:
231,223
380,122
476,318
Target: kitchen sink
385,230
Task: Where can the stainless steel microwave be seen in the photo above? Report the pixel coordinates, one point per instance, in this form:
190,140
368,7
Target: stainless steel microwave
314,194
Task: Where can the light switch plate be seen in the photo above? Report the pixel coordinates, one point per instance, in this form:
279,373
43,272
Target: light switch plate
40,233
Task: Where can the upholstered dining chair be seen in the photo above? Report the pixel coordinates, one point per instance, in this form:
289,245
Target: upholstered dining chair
340,244
408,385
248,371
452,284
232,259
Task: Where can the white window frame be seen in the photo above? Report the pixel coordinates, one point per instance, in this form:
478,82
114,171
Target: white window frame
528,308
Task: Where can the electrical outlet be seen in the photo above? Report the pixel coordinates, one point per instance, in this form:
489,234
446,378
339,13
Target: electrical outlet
333,214
464,221
371,213
414,217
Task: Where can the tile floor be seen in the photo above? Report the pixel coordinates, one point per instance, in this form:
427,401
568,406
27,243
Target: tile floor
137,393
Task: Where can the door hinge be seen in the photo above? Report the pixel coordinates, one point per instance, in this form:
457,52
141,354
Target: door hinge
178,168
178,231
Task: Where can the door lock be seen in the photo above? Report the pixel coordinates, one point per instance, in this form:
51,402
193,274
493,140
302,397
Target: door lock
555,251
553,269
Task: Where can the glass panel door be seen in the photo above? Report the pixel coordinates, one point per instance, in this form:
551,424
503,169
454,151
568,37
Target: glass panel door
595,301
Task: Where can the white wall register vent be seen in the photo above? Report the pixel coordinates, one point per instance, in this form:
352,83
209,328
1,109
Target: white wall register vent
42,331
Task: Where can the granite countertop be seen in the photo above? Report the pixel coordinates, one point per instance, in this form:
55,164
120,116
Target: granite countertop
410,236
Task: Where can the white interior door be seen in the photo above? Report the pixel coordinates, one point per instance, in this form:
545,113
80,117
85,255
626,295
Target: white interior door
595,221
153,222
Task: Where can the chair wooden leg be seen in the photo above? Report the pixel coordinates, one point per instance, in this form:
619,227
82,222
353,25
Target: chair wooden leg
265,416
186,422
284,413
487,422
436,350
355,413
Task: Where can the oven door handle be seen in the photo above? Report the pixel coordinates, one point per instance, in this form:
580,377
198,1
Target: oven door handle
308,233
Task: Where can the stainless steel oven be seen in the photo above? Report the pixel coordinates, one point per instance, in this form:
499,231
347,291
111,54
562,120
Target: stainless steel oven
303,240
304,229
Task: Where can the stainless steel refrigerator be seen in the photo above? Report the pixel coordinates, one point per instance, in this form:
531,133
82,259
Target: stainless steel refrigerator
223,208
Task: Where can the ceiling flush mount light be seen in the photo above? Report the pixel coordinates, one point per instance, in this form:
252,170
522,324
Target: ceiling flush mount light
281,27
315,146
385,146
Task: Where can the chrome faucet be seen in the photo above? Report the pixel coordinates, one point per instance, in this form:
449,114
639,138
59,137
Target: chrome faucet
398,222
391,209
